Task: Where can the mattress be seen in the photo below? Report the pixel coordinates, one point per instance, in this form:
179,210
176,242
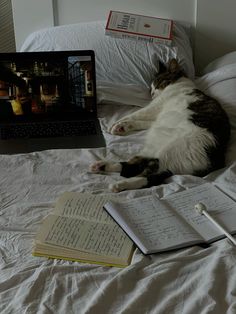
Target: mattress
190,280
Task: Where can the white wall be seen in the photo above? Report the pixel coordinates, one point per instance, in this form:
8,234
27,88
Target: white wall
214,19
91,10
215,30
29,16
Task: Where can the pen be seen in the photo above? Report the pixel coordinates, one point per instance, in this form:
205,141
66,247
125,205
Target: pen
201,209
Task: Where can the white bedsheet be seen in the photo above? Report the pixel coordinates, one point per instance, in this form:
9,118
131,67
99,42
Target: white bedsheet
186,281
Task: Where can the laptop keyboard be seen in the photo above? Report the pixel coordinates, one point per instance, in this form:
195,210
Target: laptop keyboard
49,129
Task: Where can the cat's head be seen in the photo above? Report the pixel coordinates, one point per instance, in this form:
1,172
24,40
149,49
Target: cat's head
166,75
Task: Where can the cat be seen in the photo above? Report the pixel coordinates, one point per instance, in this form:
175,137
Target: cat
187,133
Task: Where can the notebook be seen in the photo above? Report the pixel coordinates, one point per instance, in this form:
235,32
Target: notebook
48,100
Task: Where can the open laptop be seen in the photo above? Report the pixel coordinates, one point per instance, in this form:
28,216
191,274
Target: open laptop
48,100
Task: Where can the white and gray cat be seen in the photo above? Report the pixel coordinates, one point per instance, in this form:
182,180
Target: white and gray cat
187,133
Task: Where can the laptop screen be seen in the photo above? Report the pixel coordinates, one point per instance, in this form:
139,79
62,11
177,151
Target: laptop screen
56,85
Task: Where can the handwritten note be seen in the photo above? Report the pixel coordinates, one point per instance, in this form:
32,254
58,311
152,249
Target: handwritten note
87,206
157,224
79,234
218,204
153,224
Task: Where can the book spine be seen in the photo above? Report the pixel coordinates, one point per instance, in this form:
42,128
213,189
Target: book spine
149,39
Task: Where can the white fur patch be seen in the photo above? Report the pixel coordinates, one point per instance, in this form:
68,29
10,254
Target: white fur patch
128,184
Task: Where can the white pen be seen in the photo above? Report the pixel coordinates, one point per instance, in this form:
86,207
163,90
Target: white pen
201,209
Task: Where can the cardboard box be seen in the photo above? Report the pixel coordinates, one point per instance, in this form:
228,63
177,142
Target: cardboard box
139,27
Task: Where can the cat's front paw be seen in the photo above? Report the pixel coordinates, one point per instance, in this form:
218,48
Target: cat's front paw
121,128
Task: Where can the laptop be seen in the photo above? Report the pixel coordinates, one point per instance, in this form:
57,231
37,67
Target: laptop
48,101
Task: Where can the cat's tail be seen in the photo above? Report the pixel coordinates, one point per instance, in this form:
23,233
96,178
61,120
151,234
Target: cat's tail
157,179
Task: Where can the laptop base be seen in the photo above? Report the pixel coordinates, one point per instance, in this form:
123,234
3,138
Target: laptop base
28,145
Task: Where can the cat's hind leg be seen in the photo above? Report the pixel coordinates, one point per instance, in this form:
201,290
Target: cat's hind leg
127,169
135,166
140,182
105,166
139,165
128,184
158,178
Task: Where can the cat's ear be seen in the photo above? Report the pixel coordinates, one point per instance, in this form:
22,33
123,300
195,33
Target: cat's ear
161,67
173,66
158,65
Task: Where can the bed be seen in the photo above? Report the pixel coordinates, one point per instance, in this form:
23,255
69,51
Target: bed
191,280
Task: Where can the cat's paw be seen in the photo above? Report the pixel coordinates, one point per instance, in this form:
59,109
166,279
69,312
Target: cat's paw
121,128
117,187
98,166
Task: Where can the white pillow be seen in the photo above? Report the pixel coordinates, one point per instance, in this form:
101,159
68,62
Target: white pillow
227,59
122,61
132,94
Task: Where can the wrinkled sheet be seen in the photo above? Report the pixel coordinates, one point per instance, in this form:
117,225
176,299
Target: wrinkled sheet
185,281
